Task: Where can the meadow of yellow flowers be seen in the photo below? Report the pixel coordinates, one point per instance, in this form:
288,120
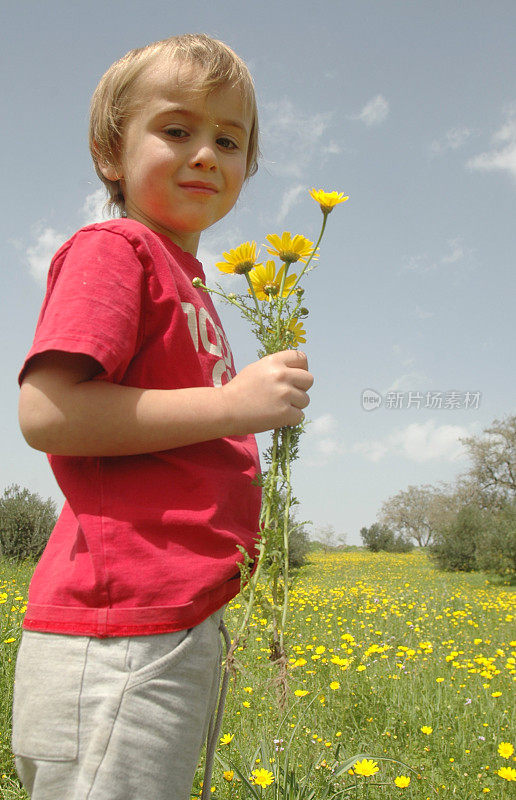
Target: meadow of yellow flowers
389,658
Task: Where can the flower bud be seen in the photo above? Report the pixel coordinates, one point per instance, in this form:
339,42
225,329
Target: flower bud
300,291
197,282
303,312
232,296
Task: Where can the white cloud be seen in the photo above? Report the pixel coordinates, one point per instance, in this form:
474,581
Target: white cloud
452,140
405,360
457,254
323,425
39,254
428,441
93,208
457,251
422,314
502,155
332,149
409,382
374,112
418,442
289,199
291,137
47,240
372,451
321,440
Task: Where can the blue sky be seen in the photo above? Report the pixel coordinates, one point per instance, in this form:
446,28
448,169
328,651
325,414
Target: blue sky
407,107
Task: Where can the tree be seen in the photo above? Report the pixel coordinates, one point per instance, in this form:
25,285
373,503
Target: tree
26,522
455,545
494,463
326,537
419,512
299,543
380,537
496,546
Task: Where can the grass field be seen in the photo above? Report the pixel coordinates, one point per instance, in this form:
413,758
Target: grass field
389,658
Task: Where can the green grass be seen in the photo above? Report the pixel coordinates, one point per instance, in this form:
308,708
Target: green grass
408,647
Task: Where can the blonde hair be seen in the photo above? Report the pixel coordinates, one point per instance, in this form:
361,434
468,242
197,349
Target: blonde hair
114,98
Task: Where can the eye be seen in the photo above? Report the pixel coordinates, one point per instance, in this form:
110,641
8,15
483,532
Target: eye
227,144
176,133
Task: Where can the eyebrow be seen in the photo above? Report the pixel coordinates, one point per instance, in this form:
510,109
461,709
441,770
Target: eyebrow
187,112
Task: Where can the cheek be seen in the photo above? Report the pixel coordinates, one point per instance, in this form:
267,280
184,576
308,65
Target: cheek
237,176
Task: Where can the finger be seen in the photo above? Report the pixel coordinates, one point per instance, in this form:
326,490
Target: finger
294,358
300,400
302,379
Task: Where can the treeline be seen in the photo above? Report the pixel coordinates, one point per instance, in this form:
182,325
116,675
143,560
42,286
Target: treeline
468,525
26,522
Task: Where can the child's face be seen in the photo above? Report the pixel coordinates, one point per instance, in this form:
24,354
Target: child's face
183,158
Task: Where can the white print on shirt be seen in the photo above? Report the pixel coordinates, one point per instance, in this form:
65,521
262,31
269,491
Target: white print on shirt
198,324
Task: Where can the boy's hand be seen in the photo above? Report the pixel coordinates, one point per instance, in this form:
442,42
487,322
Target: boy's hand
269,393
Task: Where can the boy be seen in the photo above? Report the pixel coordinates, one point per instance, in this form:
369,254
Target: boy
130,387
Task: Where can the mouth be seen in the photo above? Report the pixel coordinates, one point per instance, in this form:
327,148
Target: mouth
199,187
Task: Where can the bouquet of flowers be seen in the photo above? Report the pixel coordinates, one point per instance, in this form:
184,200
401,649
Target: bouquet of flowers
274,305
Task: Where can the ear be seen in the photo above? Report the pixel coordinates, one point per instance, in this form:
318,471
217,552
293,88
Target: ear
109,171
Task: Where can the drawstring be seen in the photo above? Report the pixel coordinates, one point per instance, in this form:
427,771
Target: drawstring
215,721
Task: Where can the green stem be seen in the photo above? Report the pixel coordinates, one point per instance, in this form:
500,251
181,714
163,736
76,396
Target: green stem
325,217
286,519
280,297
253,293
265,514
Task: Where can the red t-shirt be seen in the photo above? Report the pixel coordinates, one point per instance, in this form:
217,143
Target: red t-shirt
145,543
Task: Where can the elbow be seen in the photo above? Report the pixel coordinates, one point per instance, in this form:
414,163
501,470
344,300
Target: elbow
37,418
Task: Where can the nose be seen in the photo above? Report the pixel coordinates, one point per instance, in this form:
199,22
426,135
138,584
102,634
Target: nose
204,156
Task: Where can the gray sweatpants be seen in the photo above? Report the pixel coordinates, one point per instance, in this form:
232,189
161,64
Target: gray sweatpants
114,719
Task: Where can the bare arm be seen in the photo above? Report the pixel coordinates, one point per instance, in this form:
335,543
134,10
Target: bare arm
64,412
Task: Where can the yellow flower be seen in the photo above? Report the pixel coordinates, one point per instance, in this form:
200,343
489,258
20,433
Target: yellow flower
228,775
426,729
505,749
8,641
334,685
508,773
297,329
266,283
288,248
240,260
227,738
300,692
402,781
496,694
262,777
327,200
366,767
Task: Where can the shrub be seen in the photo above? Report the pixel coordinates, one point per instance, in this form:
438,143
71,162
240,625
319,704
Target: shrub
496,546
455,545
26,522
380,537
299,546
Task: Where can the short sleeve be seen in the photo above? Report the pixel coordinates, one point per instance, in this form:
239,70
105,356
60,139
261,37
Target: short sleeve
93,303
